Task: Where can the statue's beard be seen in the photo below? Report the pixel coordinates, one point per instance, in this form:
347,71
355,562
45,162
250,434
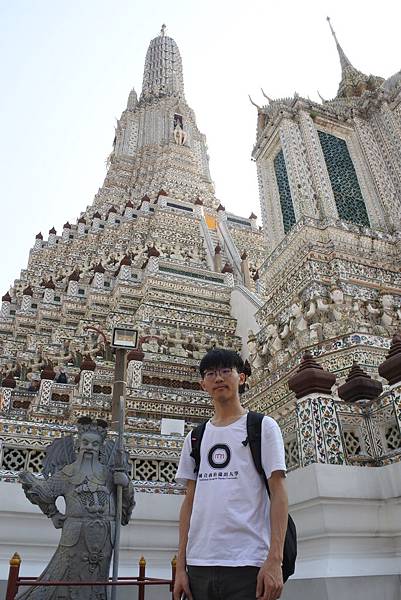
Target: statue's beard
90,457
91,460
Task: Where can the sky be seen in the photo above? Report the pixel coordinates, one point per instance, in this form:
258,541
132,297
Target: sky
68,66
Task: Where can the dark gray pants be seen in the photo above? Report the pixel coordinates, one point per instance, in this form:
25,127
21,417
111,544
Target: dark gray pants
223,583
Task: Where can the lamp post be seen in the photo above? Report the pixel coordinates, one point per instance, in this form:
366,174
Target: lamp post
123,339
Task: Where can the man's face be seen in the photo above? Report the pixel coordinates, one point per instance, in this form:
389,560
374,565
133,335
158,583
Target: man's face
222,383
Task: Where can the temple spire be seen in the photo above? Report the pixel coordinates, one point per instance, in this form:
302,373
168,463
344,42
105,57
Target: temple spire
344,60
353,82
163,68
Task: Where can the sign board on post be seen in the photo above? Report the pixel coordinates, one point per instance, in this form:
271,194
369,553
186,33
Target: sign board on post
124,338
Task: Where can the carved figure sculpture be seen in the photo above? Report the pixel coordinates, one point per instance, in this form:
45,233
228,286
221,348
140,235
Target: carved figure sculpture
277,341
312,310
298,323
315,333
284,333
388,315
150,343
359,315
202,344
86,476
177,342
315,326
180,136
337,306
322,308
273,338
372,313
254,357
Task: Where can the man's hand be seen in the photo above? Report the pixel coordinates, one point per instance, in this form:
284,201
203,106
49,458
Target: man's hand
181,585
269,583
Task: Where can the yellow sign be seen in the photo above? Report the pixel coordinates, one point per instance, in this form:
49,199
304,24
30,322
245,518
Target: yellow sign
210,222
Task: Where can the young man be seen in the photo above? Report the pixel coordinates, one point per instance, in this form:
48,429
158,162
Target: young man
231,534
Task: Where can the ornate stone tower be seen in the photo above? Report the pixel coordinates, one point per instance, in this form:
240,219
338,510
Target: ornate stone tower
157,144
317,290
330,193
155,251
330,176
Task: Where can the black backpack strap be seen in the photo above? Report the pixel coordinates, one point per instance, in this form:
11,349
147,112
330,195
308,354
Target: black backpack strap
196,440
254,436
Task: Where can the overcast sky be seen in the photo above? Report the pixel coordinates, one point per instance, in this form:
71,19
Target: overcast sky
68,66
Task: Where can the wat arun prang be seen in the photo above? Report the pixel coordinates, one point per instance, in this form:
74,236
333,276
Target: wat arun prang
158,252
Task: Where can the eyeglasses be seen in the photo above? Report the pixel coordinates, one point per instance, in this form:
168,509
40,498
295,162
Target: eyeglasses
225,372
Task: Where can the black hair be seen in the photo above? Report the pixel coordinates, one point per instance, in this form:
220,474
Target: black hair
218,358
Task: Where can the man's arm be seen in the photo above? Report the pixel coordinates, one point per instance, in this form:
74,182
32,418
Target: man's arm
181,585
270,577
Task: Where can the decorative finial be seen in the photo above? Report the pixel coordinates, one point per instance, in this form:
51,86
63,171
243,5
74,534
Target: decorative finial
254,103
344,60
163,30
321,97
331,27
266,96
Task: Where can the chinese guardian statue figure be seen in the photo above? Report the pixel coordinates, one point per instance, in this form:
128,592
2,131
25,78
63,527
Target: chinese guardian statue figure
86,474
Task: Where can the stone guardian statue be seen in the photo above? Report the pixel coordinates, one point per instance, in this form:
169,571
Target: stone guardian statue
86,473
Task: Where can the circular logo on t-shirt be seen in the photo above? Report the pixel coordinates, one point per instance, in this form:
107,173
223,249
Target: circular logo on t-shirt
219,456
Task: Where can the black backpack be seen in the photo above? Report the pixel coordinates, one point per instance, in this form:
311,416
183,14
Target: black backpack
254,432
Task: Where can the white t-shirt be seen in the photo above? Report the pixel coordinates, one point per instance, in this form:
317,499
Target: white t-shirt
230,523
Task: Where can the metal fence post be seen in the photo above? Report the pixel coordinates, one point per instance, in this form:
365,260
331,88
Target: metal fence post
12,585
141,588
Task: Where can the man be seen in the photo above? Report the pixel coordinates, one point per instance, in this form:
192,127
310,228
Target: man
231,535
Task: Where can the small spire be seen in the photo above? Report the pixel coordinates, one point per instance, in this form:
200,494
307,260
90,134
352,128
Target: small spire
311,378
132,100
359,386
227,268
270,100
162,74
390,369
344,60
254,103
353,82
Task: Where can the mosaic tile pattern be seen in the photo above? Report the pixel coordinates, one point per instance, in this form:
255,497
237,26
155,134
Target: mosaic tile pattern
287,208
347,193
319,431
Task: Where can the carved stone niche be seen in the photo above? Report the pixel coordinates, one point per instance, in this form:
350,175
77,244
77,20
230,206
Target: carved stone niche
359,386
390,369
311,378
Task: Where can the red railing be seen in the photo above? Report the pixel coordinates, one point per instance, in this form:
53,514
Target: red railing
141,581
